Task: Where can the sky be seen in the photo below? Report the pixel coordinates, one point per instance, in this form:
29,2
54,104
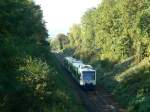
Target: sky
61,14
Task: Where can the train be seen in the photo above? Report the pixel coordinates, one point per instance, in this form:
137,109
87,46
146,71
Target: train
85,75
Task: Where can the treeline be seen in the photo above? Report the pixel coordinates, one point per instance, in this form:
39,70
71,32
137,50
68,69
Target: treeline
115,38
28,78
114,27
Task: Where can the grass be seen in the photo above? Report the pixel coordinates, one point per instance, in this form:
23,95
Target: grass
32,81
67,92
128,81
130,86
134,82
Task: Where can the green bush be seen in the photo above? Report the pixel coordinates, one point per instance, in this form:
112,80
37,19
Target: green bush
134,87
36,74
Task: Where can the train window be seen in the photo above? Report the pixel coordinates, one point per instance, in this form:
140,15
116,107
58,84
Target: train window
88,75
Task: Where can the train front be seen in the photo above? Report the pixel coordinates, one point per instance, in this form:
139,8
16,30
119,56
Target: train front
88,78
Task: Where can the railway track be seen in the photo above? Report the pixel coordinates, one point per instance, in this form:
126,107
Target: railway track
103,102
94,101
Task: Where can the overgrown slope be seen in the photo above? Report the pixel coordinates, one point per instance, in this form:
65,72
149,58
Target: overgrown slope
115,38
29,81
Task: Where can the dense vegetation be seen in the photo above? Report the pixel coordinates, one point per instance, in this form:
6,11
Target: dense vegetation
115,38
28,78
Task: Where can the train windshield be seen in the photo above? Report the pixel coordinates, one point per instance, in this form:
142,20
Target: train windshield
88,75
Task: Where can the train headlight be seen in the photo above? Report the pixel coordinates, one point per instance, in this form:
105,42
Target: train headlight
94,83
81,82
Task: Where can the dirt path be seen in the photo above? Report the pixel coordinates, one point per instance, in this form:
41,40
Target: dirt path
94,101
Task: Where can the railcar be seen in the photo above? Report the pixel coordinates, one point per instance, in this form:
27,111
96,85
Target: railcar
84,74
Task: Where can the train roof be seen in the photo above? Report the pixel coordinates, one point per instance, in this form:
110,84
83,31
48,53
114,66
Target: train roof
85,67
77,63
73,60
68,58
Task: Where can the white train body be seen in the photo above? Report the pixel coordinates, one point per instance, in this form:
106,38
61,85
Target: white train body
84,74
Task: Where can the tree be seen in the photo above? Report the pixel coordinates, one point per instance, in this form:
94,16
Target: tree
61,39
74,35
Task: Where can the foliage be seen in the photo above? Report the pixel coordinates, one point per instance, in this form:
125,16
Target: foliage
135,82
59,42
112,33
35,73
27,72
